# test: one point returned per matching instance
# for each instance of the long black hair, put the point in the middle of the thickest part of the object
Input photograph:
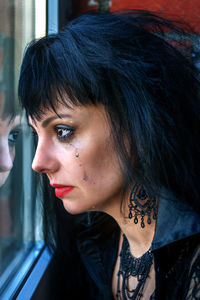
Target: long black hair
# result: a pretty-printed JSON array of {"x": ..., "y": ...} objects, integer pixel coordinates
[{"x": 148, "y": 85}]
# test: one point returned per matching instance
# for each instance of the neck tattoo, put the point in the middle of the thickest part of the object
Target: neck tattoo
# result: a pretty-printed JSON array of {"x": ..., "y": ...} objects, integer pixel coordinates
[{"x": 132, "y": 266}]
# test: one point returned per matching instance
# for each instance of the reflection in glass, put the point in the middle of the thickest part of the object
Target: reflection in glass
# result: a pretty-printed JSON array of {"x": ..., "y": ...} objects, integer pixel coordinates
[
  {"x": 10, "y": 130},
  {"x": 9, "y": 133},
  {"x": 18, "y": 222}
]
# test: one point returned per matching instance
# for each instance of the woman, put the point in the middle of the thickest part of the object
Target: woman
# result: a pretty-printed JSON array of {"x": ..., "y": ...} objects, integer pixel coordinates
[
  {"x": 10, "y": 154},
  {"x": 115, "y": 108}
]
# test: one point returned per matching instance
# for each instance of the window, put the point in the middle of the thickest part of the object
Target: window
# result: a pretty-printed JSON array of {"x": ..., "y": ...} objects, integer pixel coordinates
[{"x": 20, "y": 225}]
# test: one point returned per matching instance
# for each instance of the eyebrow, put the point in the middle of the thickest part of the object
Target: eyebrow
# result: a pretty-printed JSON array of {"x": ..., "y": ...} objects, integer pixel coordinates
[{"x": 46, "y": 122}]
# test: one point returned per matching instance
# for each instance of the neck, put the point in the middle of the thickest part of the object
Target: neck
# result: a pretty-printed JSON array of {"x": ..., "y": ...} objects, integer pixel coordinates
[{"x": 139, "y": 238}]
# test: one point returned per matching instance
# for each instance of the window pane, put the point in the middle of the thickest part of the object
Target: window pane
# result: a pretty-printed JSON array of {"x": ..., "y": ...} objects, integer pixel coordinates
[{"x": 19, "y": 223}]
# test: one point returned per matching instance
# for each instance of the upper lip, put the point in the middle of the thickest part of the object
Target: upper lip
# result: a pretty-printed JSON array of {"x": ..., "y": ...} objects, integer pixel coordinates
[{"x": 55, "y": 185}]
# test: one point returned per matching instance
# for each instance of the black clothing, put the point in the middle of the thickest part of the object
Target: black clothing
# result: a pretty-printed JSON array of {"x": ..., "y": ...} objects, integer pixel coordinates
[
  {"x": 86, "y": 271},
  {"x": 176, "y": 249}
]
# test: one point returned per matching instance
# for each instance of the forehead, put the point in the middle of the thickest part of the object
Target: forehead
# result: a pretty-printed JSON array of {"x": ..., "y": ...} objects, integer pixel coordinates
[
  {"x": 8, "y": 123},
  {"x": 77, "y": 113}
]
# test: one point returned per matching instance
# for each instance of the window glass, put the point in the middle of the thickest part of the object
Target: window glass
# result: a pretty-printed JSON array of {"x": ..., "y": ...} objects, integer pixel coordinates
[{"x": 19, "y": 218}]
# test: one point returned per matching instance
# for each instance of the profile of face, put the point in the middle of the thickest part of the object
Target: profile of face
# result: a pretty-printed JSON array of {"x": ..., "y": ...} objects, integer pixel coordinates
[
  {"x": 9, "y": 130},
  {"x": 76, "y": 151}
]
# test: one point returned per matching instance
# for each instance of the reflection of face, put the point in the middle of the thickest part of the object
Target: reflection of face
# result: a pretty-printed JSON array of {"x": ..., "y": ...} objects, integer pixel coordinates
[
  {"x": 76, "y": 150},
  {"x": 8, "y": 136}
]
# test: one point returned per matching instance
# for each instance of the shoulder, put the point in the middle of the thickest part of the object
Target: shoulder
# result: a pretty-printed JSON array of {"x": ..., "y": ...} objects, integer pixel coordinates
[{"x": 178, "y": 265}]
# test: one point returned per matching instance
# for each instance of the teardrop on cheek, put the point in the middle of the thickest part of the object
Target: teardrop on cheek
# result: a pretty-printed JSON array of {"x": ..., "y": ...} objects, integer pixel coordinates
[{"x": 77, "y": 154}]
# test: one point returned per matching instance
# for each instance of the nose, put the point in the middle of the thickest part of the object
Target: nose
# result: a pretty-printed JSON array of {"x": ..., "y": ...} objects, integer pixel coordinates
[
  {"x": 44, "y": 160},
  {"x": 6, "y": 162}
]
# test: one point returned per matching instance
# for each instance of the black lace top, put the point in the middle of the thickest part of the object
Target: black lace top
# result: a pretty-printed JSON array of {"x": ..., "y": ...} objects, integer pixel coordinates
[
  {"x": 176, "y": 250},
  {"x": 84, "y": 269}
]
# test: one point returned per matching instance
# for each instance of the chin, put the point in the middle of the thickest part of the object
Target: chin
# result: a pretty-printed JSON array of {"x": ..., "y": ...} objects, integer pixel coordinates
[{"x": 73, "y": 208}]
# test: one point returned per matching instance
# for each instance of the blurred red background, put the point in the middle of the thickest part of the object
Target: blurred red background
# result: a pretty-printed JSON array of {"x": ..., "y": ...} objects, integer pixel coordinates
[{"x": 187, "y": 10}]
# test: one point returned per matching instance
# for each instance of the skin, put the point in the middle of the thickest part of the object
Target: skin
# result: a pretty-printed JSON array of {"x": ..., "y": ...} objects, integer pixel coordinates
[
  {"x": 8, "y": 134},
  {"x": 86, "y": 159}
]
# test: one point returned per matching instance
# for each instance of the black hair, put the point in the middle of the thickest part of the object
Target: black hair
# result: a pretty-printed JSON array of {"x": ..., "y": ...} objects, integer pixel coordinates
[
  {"x": 148, "y": 85},
  {"x": 8, "y": 107}
]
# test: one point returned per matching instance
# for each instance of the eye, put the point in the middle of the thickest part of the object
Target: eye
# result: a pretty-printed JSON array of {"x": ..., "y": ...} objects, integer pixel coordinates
[
  {"x": 13, "y": 135},
  {"x": 64, "y": 132},
  {"x": 35, "y": 137}
]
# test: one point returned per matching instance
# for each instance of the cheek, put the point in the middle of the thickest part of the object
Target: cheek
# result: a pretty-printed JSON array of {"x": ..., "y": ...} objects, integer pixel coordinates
[
  {"x": 12, "y": 153},
  {"x": 91, "y": 164},
  {"x": 72, "y": 163},
  {"x": 3, "y": 177},
  {"x": 103, "y": 181},
  {"x": 100, "y": 164}
]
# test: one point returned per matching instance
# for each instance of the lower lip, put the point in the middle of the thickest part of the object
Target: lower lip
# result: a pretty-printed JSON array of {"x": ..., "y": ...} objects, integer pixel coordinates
[{"x": 63, "y": 191}]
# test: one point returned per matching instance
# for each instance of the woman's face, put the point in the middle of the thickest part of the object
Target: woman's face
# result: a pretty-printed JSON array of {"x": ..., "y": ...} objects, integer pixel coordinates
[
  {"x": 8, "y": 134},
  {"x": 76, "y": 151}
]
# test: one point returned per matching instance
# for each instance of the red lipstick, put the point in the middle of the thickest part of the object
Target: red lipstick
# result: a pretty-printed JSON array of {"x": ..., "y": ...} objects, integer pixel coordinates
[{"x": 62, "y": 190}]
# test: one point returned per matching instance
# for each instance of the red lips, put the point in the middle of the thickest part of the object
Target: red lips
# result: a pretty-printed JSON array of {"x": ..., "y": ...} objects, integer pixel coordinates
[{"x": 62, "y": 190}]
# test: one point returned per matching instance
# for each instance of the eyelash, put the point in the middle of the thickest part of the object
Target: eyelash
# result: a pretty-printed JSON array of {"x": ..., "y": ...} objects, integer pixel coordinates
[
  {"x": 35, "y": 137},
  {"x": 59, "y": 131},
  {"x": 12, "y": 138}
]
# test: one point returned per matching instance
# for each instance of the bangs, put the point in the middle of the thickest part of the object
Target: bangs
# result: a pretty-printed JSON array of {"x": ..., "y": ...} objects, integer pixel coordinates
[
  {"x": 50, "y": 75},
  {"x": 9, "y": 109}
]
